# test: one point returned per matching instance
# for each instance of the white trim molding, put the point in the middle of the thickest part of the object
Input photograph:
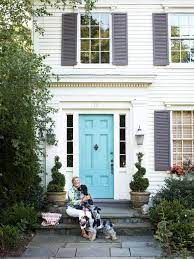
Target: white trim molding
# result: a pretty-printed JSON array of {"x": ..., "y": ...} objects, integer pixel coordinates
[
  {"x": 107, "y": 78},
  {"x": 176, "y": 8}
]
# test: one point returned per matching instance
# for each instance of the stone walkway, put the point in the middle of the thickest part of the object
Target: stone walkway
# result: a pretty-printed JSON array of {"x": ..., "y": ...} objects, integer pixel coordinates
[{"x": 59, "y": 246}]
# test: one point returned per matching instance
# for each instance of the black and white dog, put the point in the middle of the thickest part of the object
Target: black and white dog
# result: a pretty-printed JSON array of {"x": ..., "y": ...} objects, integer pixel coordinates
[{"x": 105, "y": 226}]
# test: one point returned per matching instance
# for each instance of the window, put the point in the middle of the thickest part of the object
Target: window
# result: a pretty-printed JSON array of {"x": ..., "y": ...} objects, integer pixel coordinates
[
  {"x": 183, "y": 136},
  {"x": 69, "y": 140},
  {"x": 182, "y": 38},
  {"x": 95, "y": 38},
  {"x": 122, "y": 141}
]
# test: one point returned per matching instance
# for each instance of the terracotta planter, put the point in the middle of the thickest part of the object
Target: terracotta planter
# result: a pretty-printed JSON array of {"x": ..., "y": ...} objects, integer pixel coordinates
[
  {"x": 56, "y": 197},
  {"x": 139, "y": 198}
]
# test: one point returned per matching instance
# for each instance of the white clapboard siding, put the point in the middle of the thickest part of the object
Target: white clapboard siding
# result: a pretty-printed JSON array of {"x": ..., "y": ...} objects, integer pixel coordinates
[{"x": 172, "y": 82}]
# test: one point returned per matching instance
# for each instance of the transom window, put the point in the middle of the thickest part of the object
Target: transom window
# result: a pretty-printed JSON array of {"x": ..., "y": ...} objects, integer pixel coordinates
[
  {"x": 95, "y": 38},
  {"x": 183, "y": 136},
  {"x": 182, "y": 38}
]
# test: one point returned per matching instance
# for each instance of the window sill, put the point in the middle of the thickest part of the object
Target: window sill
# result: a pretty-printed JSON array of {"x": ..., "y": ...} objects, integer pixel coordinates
[
  {"x": 180, "y": 66},
  {"x": 95, "y": 66}
]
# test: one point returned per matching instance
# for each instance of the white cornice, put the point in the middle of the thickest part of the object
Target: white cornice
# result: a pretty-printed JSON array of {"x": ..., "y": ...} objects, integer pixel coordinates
[
  {"x": 102, "y": 80},
  {"x": 179, "y": 105}
]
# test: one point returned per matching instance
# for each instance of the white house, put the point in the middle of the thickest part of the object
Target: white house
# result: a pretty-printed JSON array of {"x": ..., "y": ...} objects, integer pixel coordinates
[{"x": 128, "y": 65}]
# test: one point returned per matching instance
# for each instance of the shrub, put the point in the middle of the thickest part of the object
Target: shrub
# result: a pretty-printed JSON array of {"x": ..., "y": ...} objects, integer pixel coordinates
[
  {"x": 139, "y": 184},
  {"x": 173, "y": 225},
  {"x": 169, "y": 210},
  {"x": 22, "y": 217},
  {"x": 58, "y": 179},
  {"x": 179, "y": 189},
  {"x": 8, "y": 237}
]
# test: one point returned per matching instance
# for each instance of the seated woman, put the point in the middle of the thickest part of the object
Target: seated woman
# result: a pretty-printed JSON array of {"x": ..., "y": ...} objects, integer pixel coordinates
[{"x": 74, "y": 208}]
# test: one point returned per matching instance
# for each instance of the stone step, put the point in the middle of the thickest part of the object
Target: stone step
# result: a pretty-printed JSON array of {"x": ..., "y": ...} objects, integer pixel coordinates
[
  {"x": 116, "y": 215},
  {"x": 113, "y": 203},
  {"x": 144, "y": 228}
]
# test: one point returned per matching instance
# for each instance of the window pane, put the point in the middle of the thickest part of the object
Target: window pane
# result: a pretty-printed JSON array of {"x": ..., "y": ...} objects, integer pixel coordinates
[
  {"x": 69, "y": 160},
  {"x": 174, "y": 20},
  {"x": 69, "y": 147},
  {"x": 187, "y": 146},
  {"x": 177, "y": 131},
  {"x": 85, "y": 19},
  {"x": 184, "y": 20},
  {"x": 94, "y": 57},
  {"x": 69, "y": 120},
  {"x": 122, "y": 147},
  {"x": 95, "y": 45},
  {"x": 191, "y": 31},
  {"x": 177, "y": 159},
  {"x": 175, "y": 45},
  {"x": 175, "y": 31},
  {"x": 104, "y": 32},
  {"x": 191, "y": 20},
  {"x": 95, "y": 19},
  {"x": 187, "y": 156},
  {"x": 187, "y": 131},
  {"x": 123, "y": 161},
  {"x": 177, "y": 117},
  {"x": 85, "y": 32},
  {"x": 175, "y": 56},
  {"x": 70, "y": 134},
  {"x": 94, "y": 32},
  {"x": 122, "y": 134},
  {"x": 177, "y": 146},
  {"x": 185, "y": 57},
  {"x": 192, "y": 55},
  {"x": 104, "y": 57},
  {"x": 104, "y": 45},
  {"x": 104, "y": 19},
  {"x": 184, "y": 31},
  {"x": 122, "y": 120},
  {"x": 85, "y": 45},
  {"x": 185, "y": 44},
  {"x": 187, "y": 118},
  {"x": 85, "y": 57}
]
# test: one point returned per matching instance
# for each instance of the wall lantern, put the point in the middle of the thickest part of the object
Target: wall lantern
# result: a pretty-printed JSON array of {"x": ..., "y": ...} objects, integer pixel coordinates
[{"x": 139, "y": 136}]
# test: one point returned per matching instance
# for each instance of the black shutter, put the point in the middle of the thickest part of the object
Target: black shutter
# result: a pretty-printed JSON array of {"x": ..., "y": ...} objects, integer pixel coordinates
[
  {"x": 69, "y": 39},
  {"x": 160, "y": 39},
  {"x": 162, "y": 140},
  {"x": 119, "y": 39}
]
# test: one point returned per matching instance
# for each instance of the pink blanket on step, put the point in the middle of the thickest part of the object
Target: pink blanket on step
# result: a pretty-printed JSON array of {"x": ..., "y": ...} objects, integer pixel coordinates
[{"x": 50, "y": 219}]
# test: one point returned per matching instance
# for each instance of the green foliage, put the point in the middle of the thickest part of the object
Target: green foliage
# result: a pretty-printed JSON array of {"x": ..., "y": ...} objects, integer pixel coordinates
[
  {"x": 179, "y": 189},
  {"x": 139, "y": 184},
  {"x": 23, "y": 113},
  {"x": 58, "y": 179},
  {"x": 171, "y": 210},
  {"x": 174, "y": 227},
  {"x": 22, "y": 217},
  {"x": 8, "y": 237}
]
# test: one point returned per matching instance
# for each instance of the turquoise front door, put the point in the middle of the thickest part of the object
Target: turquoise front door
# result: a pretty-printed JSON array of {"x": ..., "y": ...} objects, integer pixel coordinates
[{"x": 96, "y": 154}]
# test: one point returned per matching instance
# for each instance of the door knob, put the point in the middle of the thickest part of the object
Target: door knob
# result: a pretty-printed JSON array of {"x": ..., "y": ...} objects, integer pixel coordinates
[{"x": 112, "y": 166}]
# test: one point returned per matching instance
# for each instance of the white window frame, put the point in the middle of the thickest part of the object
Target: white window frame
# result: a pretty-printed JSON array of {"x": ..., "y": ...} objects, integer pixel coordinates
[
  {"x": 180, "y": 64},
  {"x": 182, "y": 138},
  {"x": 93, "y": 65}
]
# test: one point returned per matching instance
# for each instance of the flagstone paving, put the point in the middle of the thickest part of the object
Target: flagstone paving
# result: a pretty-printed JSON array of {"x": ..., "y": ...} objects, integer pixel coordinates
[{"x": 60, "y": 246}]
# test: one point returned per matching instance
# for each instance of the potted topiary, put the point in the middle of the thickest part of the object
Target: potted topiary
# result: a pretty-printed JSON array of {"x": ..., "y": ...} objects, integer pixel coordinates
[
  {"x": 139, "y": 184},
  {"x": 55, "y": 188}
]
